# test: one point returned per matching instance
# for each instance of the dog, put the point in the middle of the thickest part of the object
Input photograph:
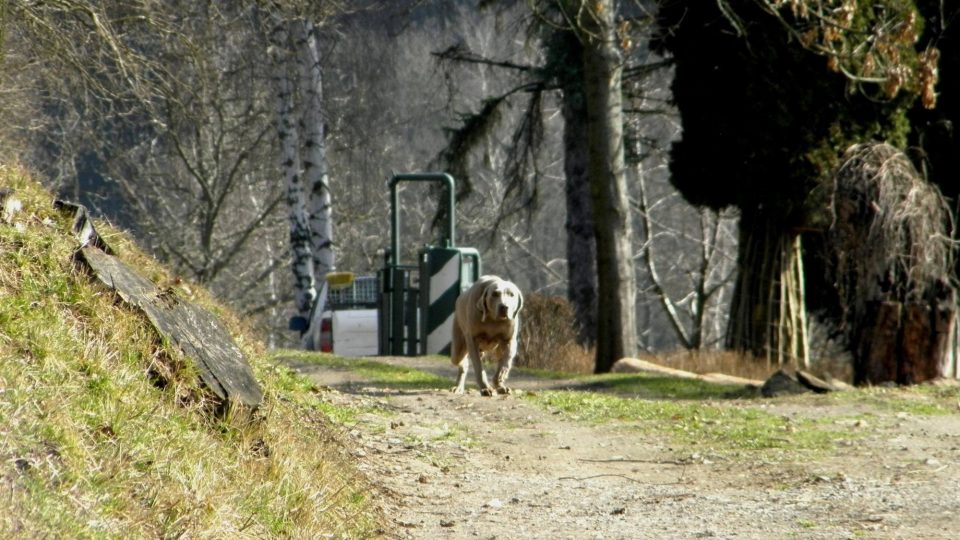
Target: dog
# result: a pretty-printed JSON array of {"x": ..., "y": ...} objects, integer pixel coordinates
[{"x": 486, "y": 321}]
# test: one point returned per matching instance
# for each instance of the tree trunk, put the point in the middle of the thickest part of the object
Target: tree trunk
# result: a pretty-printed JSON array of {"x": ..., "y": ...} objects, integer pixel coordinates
[
  {"x": 305, "y": 290},
  {"x": 581, "y": 244},
  {"x": 616, "y": 279},
  {"x": 768, "y": 315},
  {"x": 316, "y": 180},
  {"x": 903, "y": 343},
  {"x": 925, "y": 342}
]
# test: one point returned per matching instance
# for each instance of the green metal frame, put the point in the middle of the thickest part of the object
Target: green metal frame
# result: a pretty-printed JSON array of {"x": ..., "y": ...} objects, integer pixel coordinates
[
  {"x": 399, "y": 300},
  {"x": 395, "y": 207}
]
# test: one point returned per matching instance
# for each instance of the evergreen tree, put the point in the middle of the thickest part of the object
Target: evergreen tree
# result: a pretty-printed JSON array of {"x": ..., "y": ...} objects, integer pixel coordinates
[{"x": 771, "y": 94}]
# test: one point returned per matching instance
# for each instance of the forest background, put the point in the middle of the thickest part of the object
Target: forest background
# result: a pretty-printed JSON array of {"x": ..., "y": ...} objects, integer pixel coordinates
[{"x": 175, "y": 120}]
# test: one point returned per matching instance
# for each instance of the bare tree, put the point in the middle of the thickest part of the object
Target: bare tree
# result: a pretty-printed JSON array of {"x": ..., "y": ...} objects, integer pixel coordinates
[
  {"x": 706, "y": 276},
  {"x": 167, "y": 108},
  {"x": 305, "y": 292}
]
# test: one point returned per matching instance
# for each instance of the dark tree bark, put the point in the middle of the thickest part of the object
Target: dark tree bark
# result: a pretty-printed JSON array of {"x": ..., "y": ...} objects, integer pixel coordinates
[
  {"x": 757, "y": 266},
  {"x": 581, "y": 244},
  {"x": 616, "y": 280},
  {"x": 768, "y": 314},
  {"x": 903, "y": 343}
]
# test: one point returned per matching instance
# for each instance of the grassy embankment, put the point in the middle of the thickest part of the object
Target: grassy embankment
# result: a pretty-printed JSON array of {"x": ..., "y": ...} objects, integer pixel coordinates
[{"x": 92, "y": 445}]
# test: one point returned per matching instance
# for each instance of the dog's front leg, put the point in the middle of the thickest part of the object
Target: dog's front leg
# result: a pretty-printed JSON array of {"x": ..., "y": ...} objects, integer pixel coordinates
[
  {"x": 507, "y": 355},
  {"x": 475, "y": 360}
]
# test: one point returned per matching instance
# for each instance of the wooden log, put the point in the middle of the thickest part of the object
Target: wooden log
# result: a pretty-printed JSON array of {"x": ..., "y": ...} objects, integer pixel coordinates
[{"x": 636, "y": 365}]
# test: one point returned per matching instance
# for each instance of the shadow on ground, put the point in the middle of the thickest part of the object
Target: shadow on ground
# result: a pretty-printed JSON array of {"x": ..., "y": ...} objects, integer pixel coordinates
[{"x": 386, "y": 375}]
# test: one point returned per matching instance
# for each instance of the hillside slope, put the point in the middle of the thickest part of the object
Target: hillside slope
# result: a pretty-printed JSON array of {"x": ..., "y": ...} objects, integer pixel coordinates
[{"x": 104, "y": 431}]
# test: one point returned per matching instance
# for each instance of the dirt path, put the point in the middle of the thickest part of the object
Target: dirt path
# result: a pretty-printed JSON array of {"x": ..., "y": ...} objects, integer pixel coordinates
[{"x": 466, "y": 467}]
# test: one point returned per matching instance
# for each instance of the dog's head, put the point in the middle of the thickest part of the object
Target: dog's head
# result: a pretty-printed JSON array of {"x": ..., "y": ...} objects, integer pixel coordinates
[{"x": 501, "y": 300}]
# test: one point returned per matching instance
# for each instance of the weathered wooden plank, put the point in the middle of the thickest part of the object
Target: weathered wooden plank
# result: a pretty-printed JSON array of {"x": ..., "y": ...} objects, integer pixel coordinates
[
  {"x": 198, "y": 333},
  {"x": 82, "y": 226}
]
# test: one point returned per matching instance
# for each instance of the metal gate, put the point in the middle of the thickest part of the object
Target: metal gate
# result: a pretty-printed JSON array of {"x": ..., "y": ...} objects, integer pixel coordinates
[{"x": 417, "y": 301}]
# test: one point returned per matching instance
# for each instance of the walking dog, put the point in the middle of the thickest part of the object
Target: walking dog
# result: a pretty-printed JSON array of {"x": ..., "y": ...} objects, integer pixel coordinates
[{"x": 486, "y": 322}]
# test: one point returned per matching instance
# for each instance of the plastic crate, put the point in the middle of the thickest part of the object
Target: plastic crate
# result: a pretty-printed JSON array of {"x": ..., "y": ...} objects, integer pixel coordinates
[{"x": 363, "y": 293}]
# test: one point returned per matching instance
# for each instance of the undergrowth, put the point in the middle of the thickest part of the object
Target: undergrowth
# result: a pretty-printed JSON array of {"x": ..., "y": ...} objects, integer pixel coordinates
[{"x": 91, "y": 446}]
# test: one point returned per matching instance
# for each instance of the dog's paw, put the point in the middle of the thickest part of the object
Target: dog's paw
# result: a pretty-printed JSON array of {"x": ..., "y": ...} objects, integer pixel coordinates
[
  {"x": 486, "y": 392},
  {"x": 457, "y": 390},
  {"x": 503, "y": 390}
]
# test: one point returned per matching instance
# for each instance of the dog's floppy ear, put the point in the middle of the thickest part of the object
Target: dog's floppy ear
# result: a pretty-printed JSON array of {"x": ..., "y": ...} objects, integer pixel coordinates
[
  {"x": 482, "y": 304},
  {"x": 519, "y": 302}
]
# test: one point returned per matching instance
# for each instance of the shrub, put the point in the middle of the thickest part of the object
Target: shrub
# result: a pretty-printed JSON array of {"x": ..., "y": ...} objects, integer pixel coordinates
[{"x": 548, "y": 336}]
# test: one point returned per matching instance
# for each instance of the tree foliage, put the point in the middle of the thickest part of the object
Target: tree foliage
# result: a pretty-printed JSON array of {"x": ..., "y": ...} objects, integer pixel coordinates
[
  {"x": 771, "y": 93},
  {"x": 764, "y": 119},
  {"x": 935, "y": 140}
]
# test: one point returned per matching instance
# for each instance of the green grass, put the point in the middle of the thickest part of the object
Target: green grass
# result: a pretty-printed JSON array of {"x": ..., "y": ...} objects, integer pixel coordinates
[
  {"x": 90, "y": 447},
  {"x": 378, "y": 373},
  {"x": 306, "y": 394},
  {"x": 688, "y": 412},
  {"x": 650, "y": 386},
  {"x": 722, "y": 428},
  {"x": 919, "y": 400}
]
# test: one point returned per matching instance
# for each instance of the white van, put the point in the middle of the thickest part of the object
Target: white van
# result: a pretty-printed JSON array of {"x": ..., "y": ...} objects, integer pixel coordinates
[{"x": 347, "y": 324}]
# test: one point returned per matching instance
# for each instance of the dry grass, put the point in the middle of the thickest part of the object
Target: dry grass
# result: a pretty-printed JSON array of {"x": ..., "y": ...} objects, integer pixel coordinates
[
  {"x": 741, "y": 365},
  {"x": 91, "y": 448},
  {"x": 730, "y": 363},
  {"x": 548, "y": 339},
  {"x": 891, "y": 235}
]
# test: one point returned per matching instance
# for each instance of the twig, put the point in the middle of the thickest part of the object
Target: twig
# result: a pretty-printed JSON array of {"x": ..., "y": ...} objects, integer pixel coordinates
[
  {"x": 654, "y": 461},
  {"x": 598, "y": 476}
]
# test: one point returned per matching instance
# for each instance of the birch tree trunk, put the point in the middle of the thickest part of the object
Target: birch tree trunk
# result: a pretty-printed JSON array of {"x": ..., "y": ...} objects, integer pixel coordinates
[
  {"x": 316, "y": 180},
  {"x": 305, "y": 286},
  {"x": 616, "y": 279}
]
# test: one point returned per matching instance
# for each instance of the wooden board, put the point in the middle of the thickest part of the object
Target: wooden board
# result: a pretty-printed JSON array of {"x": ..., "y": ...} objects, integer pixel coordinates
[{"x": 197, "y": 332}]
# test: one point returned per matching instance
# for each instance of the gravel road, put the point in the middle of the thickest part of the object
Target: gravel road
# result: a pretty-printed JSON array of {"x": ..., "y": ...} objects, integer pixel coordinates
[{"x": 467, "y": 467}]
